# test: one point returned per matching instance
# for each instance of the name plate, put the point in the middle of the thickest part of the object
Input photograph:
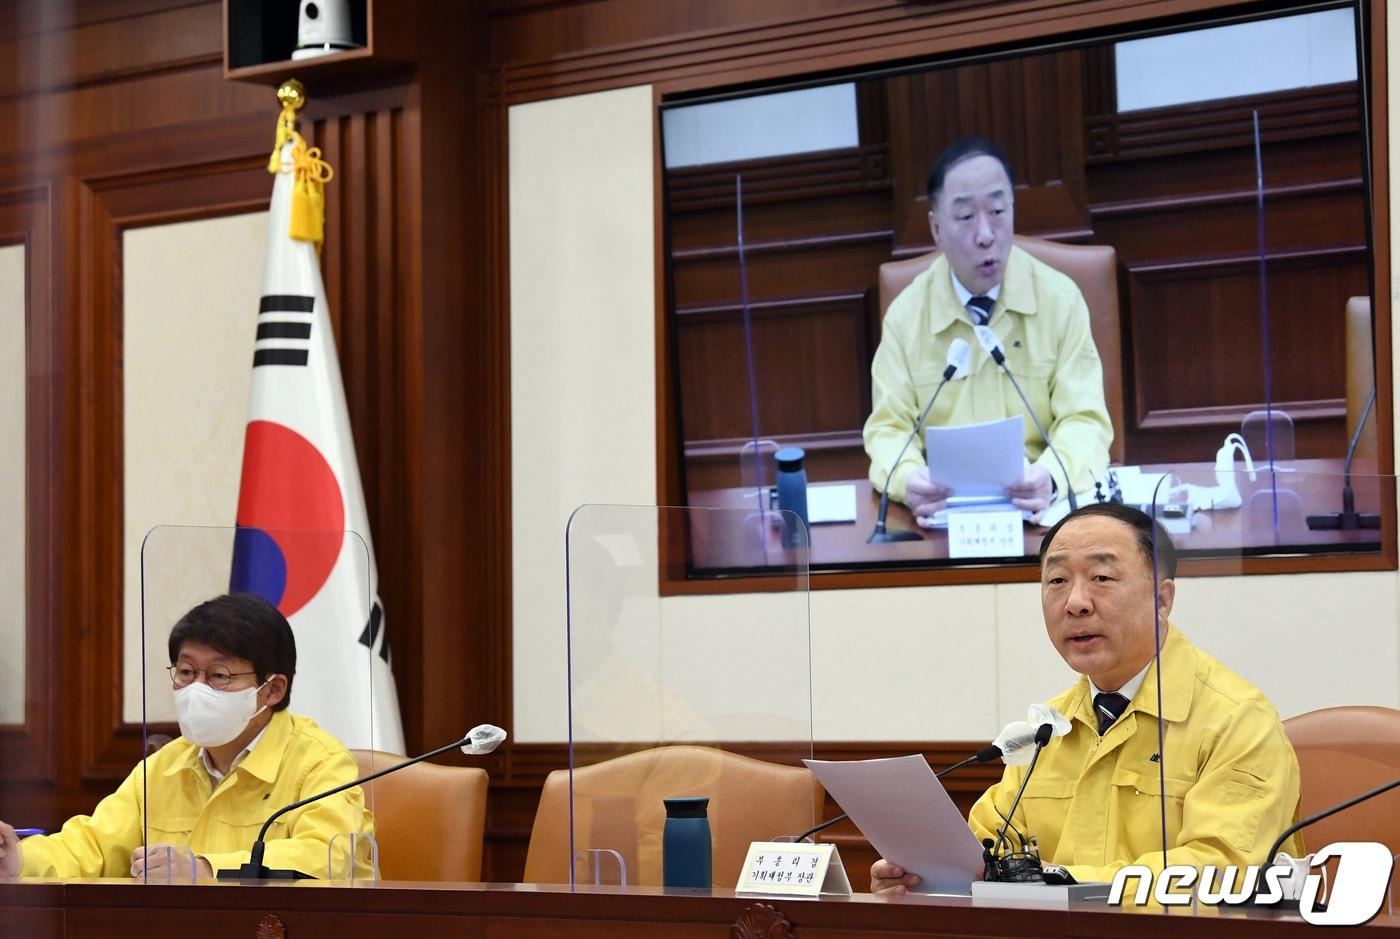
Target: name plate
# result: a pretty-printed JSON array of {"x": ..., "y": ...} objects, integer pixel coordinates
[
  {"x": 793, "y": 869},
  {"x": 985, "y": 534}
]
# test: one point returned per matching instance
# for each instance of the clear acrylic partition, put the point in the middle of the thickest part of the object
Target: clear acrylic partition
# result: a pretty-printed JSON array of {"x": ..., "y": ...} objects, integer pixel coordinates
[
  {"x": 653, "y": 665},
  {"x": 758, "y": 467},
  {"x": 1306, "y": 640},
  {"x": 1270, "y": 431},
  {"x": 321, "y": 581}
]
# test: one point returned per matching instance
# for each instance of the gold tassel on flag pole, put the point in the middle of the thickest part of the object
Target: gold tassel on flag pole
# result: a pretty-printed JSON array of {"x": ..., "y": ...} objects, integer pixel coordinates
[{"x": 308, "y": 221}]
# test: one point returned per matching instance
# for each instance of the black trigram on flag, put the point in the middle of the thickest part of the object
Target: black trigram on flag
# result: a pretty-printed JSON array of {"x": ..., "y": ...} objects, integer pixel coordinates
[
  {"x": 371, "y": 631},
  {"x": 291, "y": 337}
]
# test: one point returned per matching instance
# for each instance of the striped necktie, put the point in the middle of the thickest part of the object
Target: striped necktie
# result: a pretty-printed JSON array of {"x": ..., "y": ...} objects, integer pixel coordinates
[
  {"x": 981, "y": 309},
  {"x": 1109, "y": 706}
]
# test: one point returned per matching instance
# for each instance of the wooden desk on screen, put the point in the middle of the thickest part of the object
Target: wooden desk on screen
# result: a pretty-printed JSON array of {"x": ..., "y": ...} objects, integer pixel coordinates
[
  {"x": 120, "y": 909},
  {"x": 1313, "y": 487}
]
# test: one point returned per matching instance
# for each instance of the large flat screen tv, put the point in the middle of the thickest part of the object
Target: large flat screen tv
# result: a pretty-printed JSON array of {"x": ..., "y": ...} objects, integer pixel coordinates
[{"x": 1225, "y": 160}]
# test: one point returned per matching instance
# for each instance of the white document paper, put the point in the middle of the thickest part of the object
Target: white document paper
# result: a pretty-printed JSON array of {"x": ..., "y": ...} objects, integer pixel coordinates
[
  {"x": 826, "y": 504},
  {"x": 976, "y": 461},
  {"x": 909, "y": 818}
]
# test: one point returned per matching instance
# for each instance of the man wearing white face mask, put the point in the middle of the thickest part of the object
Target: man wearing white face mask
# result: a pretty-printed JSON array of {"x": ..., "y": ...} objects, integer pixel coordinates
[{"x": 241, "y": 756}]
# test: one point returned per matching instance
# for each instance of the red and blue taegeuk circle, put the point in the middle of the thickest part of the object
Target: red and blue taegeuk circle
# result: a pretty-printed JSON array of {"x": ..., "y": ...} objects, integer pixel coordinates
[{"x": 291, "y": 518}]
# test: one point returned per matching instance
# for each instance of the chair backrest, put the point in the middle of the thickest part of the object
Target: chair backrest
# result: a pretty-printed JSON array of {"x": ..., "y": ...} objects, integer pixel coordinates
[
  {"x": 429, "y": 820},
  {"x": 617, "y": 804},
  {"x": 1342, "y": 752},
  {"x": 1361, "y": 374},
  {"x": 1094, "y": 268}
]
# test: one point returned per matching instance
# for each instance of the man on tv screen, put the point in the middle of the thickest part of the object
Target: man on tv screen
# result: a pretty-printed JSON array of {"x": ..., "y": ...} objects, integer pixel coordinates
[
  {"x": 1095, "y": 802},
  {"x": 1037, "y": 313}
]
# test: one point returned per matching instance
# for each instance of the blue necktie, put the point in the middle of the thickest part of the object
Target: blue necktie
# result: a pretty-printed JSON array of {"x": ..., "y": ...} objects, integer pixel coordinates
[
  {"x": 981, "y": 309},
  {"x": 1109, "y": 706}
]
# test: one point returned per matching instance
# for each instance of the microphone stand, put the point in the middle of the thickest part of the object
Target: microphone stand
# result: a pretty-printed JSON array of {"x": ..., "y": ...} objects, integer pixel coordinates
[
  {"x": 879, "y": 535},
  {"x": 1348, "y": 519},
  {"x": 1022, "y": 867},
  {"x": 1000, "y": 358},
  {"x": 1326, "y": 813},
  {"x": 1292, "y": 905},
  {"x": 254, "y": 869}
]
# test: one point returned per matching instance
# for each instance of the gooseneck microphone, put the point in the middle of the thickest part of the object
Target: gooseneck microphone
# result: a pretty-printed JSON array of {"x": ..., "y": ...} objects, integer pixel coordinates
[
  {"x": 1011, "y": 743},
  {"x": 1348, "y": 519},
  {"x": 1022, "y": 866},
  {"x": 479, "y": 740},
  {"x": 959, "y": 352},
  {"x": 987, "y": 337}
]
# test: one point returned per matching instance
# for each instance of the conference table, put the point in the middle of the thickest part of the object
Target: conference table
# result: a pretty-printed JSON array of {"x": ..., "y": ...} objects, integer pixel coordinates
[
  {"x": 114, "y": 909},
  {"x": 1272, "y": 519}
]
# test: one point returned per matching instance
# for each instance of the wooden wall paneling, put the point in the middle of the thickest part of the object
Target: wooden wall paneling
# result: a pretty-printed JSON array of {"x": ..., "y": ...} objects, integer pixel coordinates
[
  {"x": 109, "y": 206},
  {"x": 486, "y": 584},
  {"x": 1022, "y": 104},
  {"x": 811, "y": 363},
  {"x": 82, "y": 46},
  {"x": 816, "y": 229},
  {"x": 1202, "y": 179},
  {"x": 363, "y": 263},
  {"x": 704, "y": 46},
  {"x": 29, "y": 751}
]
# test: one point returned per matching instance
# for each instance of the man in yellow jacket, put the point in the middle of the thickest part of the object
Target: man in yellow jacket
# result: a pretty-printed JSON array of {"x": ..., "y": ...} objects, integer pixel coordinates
[
  {"x": 1094, "y": 801},
  {"x": 1037, "y": 312},
  {"x": 202, "y": 798}
]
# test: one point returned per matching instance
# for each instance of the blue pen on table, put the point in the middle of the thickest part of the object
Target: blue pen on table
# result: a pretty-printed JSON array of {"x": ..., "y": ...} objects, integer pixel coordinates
[{"x": 26, "y": 832}]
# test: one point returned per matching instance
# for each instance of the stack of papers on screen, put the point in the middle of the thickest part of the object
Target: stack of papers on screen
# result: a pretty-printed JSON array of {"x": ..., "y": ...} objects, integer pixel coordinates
[
  {"x": 908, "y": 816},
  {"x": 977, "y": 461}
]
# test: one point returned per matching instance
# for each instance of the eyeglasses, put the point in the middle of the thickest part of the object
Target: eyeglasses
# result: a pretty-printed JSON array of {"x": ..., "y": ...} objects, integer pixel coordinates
[{"x": 218, "y": 677}]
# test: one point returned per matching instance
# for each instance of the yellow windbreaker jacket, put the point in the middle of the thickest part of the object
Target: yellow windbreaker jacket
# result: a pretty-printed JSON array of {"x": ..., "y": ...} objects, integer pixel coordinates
[
  {"x": 1232, "y": 780},
  {"x": 294, "y": 759},
  {"x": 1043, "y": 325}
]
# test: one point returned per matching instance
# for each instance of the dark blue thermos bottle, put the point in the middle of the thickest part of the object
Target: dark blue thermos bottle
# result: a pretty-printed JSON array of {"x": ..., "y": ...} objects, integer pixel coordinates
[
  {"x": 685, "y": 843},
  {"x": 792, "y": 494}
]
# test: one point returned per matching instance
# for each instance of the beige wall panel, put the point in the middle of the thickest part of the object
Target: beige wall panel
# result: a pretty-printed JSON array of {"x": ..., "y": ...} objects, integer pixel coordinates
[
  {"x": 190, "y": 307},
  {"x": 12, "y": 483},
  {"x": 582, "y": 355}
]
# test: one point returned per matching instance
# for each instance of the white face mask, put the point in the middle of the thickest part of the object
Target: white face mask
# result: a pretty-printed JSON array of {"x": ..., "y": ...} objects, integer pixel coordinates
[{"x": 210, "y": 717}]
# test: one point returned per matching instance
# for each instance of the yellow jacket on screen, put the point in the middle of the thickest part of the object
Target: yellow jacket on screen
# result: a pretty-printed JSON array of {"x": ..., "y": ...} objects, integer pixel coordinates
[
  {"x": 1043, "y": 325},
  {"x": 293, "y": 759},
  {"x": 1232, "y": 780}
]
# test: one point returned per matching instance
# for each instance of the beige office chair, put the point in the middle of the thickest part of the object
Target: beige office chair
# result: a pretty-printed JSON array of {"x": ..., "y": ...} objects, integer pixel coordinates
[
  {"x": 429, "y": 820},
  {"x": 1361, "y": 375},
  {"x": 617, "y": 805},
  {"x": 1095, "y": 269},
  {"x": 1342, "y": 752}
]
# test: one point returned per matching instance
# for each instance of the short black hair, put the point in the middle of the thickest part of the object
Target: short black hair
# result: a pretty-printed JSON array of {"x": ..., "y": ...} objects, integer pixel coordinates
[
  {"x": 246, "y": 626},
  {"x": 955, "y": 153},
  {"x": 1143, "y": 526}
]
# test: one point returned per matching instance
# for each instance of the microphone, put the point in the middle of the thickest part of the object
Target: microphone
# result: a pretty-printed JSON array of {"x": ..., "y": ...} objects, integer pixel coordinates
[
  {"x": 1326, "y": 813},
  {"x": 1017, "y": 867},
  {"x": 992, "y": 345},
  {"x": 959, "y": 352},
  {"x": 480, "y": 740},
  {"x": 1348, "y": 519},
  {"x": 1006, "y": 741},
  {"x": 1271, "y": 858}
]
